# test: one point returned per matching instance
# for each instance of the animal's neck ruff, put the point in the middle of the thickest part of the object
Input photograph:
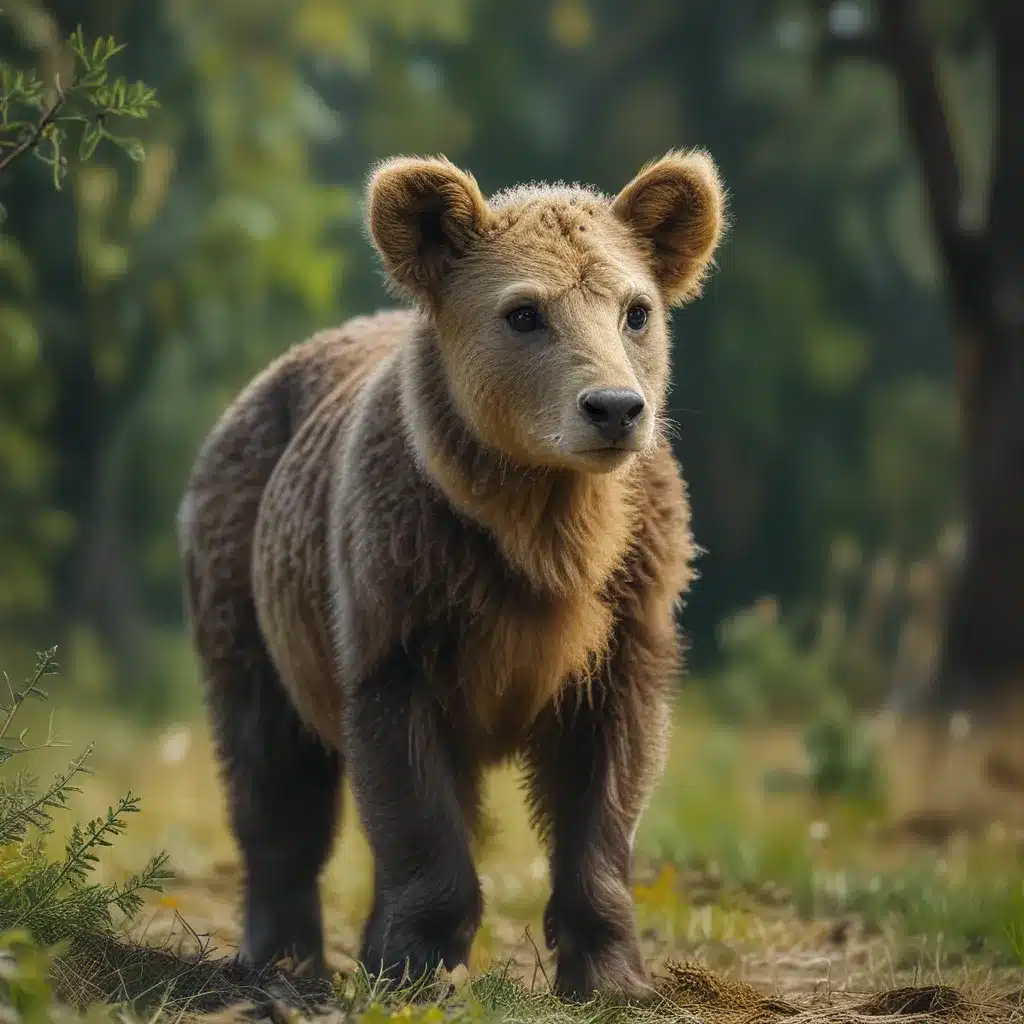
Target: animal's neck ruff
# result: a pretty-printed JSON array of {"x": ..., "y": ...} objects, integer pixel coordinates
[{"x": 565, "y": 531}]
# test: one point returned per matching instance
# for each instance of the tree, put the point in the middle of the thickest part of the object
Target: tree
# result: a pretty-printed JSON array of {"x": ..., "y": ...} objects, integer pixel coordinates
[
  {"x": 150, "y": 292},
  {"x": 983, "y": 270}
]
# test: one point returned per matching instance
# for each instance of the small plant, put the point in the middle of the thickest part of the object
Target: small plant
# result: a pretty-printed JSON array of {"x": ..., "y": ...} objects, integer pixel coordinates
[
  {"x": 54, "y": 900},
  {"x": 875, "y": 631},
  {"x": 841, "y": 760},
  {"x": 767, "y": 672},
  {"x": 40, "y": 117},
  {"x": 842, "y": 763}
]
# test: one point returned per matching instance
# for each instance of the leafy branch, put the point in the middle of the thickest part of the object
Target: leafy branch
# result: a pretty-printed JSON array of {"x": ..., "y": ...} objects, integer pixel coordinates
[
  {"x": 37, "y": 117},
  {"x": 45, "y": 665}
]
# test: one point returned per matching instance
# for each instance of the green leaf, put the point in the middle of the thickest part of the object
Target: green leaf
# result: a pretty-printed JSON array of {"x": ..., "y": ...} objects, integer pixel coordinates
[
  {"x": 91, "y": 137},
  {"x": 135, "y": 150}
]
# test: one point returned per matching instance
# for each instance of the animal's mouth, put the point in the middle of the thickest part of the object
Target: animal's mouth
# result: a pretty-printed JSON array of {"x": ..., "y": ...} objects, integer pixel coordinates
[
  {"x": 604, "y": 458},
  {"x": 615, "y": 448}
]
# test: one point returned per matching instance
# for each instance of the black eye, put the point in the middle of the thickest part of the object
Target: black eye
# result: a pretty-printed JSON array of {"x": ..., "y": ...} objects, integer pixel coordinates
[
  {"x": 636, "y": 318},
  {"x": 524, "y": 319}
]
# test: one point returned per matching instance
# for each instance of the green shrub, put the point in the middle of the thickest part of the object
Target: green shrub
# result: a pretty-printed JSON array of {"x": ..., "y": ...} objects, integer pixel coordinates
[
  {"x": 873, "y": 634},
  {"x": 55, "y": 899}
]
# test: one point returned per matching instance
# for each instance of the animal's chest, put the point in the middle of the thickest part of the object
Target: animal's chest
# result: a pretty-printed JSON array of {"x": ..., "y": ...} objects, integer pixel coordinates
[{"x": 517, "y": 654}]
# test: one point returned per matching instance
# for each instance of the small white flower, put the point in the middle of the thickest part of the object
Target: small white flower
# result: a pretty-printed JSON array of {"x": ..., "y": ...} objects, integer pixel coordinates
[
  {"x": 175, "y": 744},
  {"x": 818, "y": 831}
]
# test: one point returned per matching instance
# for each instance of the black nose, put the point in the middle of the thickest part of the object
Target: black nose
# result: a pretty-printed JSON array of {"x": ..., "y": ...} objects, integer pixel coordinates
[{"x": 614, "y": 411}]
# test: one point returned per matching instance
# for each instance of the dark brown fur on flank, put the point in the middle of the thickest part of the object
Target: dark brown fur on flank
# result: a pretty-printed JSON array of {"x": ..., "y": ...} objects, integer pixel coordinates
[{"x": 414, "y": 547}]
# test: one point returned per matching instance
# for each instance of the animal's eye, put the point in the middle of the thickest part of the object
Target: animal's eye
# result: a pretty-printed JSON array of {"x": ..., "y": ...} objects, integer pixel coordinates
[
  {"x": 524, "y": 319},
  {"x": 636, "y": 318}
]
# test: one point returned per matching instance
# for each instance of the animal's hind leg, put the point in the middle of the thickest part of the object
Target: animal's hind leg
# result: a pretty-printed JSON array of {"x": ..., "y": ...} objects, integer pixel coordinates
[
  {"x": 283, "y": 792},
  {"x": 282, "y": 782}
]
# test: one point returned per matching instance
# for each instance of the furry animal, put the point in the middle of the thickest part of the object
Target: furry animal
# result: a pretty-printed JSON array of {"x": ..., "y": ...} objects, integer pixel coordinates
[{"x": 437, "y": 538}]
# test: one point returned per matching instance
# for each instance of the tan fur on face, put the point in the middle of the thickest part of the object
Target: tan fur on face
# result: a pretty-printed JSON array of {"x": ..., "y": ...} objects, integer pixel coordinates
[{"x": 579, "y": 257}]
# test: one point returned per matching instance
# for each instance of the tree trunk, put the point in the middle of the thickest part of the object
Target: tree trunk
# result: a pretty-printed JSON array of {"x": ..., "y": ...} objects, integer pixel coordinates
[{"x": 983, "y": 650}]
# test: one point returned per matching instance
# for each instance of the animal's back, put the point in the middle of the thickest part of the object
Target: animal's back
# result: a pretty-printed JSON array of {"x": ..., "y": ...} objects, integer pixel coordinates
[{"x": 252, "y": 520}]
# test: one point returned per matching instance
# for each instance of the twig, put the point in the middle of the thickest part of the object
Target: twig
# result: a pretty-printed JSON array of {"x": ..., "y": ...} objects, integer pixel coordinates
[
  {"x": 48, "y": 117},
  {"x": 539, "y": 961}
]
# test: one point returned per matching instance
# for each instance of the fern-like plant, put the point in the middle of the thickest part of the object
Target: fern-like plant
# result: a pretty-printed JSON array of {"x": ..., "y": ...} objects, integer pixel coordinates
[{"x": 54, "y": 900}]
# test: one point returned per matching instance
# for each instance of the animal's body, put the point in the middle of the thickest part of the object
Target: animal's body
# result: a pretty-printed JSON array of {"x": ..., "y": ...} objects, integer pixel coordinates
[{"x": 434, "y": 539}]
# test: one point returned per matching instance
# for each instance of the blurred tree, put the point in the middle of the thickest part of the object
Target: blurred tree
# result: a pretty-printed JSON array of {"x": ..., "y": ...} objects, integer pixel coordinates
[
  {"x": 148, "y": 293},
  {"x": 978, "y": 228},
  {"x": 145, "y": 290},
  {"x": 811, "y": 395}
]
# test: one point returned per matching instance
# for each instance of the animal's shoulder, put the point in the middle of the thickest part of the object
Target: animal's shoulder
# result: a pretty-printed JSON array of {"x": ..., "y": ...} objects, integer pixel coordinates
[{"x": 334, "y": 362}]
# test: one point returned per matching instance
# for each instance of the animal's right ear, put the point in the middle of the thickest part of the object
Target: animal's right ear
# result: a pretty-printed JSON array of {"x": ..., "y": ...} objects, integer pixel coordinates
[{"x": 423, "y": 214}]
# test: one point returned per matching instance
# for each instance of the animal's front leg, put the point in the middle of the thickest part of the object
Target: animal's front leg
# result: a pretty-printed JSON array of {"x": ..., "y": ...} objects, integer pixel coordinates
[
  {"x": 593, "y": 765},
  {"x": 415, "y": 789}
]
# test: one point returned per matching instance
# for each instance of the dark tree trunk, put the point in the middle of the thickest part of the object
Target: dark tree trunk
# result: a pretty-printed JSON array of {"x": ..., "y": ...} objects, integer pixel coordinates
[{"x": 983, "y": 650}]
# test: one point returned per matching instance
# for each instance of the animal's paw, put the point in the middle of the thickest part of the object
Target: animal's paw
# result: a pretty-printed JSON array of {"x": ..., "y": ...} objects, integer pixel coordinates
[
  {"x": 597, "y": 952},
  {"x": 612, "y": 979},
  {"x": 403, "y": 947},
  {"x": 613, "y": 970}
]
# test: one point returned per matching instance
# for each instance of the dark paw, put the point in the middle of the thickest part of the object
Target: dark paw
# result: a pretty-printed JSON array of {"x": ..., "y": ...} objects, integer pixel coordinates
[
  {"x": 300, "y": 960},
  {"x": 401, "y": 963},
  {"x": 596, "y": 955},
  {"x": 284, "y": 933},
  {"x": 412, "y": 959},
  {"x": 596, "y": 943},
  {"x": 616, "y": 977},
  {"x": 406, "y": 941}
]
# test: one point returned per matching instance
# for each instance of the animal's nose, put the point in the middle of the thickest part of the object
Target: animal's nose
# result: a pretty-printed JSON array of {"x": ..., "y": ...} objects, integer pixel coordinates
[{"x": 614, "y": 411}]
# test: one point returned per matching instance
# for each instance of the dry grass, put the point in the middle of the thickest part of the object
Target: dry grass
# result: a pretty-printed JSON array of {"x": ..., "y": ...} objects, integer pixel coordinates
[{"x": 744, "y": 889}]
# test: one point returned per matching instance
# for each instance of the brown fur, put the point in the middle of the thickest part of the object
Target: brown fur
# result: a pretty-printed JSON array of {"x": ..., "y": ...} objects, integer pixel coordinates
[{"x": 408, "y": 527}]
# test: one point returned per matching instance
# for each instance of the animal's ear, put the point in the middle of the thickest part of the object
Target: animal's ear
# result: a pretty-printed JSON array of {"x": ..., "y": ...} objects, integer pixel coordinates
[
  {"x": 676, "y": 206},
  {"x": 423, "y": 214}
]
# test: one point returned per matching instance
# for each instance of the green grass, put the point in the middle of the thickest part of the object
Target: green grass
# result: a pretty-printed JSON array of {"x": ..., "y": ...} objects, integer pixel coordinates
[{"x": 793, "y": 890}]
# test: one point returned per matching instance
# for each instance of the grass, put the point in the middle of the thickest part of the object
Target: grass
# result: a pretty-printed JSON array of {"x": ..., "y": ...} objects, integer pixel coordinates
[{"x": 818, "y": 903}]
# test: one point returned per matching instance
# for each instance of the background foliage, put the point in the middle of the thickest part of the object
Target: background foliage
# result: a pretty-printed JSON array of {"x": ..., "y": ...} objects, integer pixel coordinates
[{"x": 812, "y": 384}]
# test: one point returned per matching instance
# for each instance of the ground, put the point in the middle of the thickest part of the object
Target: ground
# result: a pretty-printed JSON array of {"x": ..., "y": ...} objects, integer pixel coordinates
[{"x": 815, "y": 903}]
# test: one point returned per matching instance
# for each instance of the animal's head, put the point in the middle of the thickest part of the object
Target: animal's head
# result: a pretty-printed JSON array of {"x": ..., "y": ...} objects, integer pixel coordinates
[{"x": 551, "y": 303}]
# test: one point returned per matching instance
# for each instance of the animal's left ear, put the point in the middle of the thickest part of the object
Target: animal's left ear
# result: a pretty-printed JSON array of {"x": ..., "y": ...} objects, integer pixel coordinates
[{"x": 676, "y": 205}]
